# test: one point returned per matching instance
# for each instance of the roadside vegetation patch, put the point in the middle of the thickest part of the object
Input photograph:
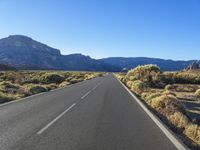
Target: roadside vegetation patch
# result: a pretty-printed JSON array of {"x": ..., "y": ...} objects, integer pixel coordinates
[
  {"x": 172, "y": 95},
  {"x": 19, "y": 84}
]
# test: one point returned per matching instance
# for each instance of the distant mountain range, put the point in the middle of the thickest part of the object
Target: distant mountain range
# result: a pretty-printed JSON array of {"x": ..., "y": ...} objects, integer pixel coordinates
[
  {"x": 4, "y": 67},
  {"x": 23, "y": 52},
  {"x": 132, "y": 62}
]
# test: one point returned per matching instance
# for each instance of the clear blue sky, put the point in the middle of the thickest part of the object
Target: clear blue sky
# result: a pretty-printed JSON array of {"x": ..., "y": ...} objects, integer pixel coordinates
[{"x": 103, "y": 28}]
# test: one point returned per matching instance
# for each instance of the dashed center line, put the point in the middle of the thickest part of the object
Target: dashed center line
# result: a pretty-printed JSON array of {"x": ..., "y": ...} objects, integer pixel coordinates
[
  {"x": 54, "y": 120},
  {"x": 64, "y": 112},
  {"x": 85, "y": 94}
]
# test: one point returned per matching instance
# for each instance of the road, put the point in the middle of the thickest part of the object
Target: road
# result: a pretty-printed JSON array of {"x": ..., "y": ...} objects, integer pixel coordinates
[{"x": 98, "y": 114}]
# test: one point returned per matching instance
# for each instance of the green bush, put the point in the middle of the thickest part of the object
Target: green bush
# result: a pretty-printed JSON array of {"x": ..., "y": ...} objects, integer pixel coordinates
[{"x": 51, "y": 78}]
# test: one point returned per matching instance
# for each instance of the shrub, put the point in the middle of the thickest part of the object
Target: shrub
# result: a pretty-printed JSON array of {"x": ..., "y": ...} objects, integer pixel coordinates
[
  {"x": 34, "y": 89},
  {"x": 138, "y": 87},
  {"x": 193, "y": 132},
  {"x": 182, "y": 88},
  {"x": 179, "y": 120},
  {"x": 164, "y": 78},
  {"x": 167, "y": 92},
  {"x": 34, "y": 80},
  {"x": 184, "y": 77},
  {"x": 163, "y": 101},
  {"x": 157, "y": 102},
  {"x": 51, "y": 78},
  {"x": 132, "y": 78},
  {"x": 5, "y": 98},
  {"x": 152, "y": 96},
  {"x": 146, "y": 73},
  {"x": 120, "y": 77},
  {"x": 8, "y": 87},
  {"x": 51, "y": 86},
  {"x": 63, "y": 84},
  {"x": 72, "y": 81},
  {"x": 129, "y": 83},
  {"x": 197, "y": 93},
  {"x": 24, "y": 91},
  {"x": 197, "y": 80}
]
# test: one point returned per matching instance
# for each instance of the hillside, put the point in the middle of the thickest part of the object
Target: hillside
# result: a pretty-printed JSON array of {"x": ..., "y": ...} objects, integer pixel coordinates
[
  {"x": 132, "y": 62},
  {"x": 26, "y": 53},
  {"x": 23, "y": 52},
  {"x": 4, "y": 67}
]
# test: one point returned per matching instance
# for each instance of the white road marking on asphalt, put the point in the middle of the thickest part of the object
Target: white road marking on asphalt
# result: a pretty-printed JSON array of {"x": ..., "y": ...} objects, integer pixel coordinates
[
  {"x": 85, "y": 94},
  {"x": 178, "y": 144},
  {"x": 54, "y": 120},
  {"x": 96, "y": 86}
]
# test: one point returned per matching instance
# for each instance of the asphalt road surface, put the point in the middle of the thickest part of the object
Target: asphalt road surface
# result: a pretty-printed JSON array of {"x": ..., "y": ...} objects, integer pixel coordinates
[{"x": 98, "y": 114}]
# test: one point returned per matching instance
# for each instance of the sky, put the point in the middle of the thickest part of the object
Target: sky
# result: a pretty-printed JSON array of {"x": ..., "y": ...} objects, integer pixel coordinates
[{"x": 167, "y": 29}]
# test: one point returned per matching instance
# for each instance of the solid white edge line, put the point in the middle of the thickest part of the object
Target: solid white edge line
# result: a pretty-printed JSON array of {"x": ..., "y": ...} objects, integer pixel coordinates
[
  {"x": 157, "y": 121},
  {"x": 54, "y": 120}
]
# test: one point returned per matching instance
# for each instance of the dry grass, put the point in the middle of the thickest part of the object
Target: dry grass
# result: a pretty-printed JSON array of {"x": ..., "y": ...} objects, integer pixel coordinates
[
  {"x": 163, "y": 91},
  {"x": 14, "y": 85},
  {"x": 179, "y": 120},
  {"x": 197, "y": 93},
  {"x": 182, "y": 87},
  {"x": 193, "y": 132},
  {"x": 138, "y": 86}
]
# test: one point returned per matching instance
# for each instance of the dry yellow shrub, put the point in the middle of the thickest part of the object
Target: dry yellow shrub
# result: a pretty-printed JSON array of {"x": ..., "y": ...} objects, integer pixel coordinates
[
  {"x": 179, "y": 120},
  {"x": 193, "y": 132}
]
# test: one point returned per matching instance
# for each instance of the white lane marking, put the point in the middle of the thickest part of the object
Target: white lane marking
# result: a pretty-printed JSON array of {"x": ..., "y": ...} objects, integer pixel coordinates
[
  {"x": 177, "y": 143},
  {"x": 86, "y": 94},
  {"x": 95, "y": 87},
  {"x": 54, "y": 120}
]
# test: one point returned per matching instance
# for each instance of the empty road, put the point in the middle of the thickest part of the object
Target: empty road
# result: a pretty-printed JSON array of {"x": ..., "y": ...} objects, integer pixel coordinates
[{"x": 98, "y": 114}]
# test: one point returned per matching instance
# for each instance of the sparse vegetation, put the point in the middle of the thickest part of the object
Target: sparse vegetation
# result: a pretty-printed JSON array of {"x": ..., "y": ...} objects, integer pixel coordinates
[
  {"x": 19, "y": 84},
  {"x": 51, "y": 78},
  {"x": 168, "y": 94},
  {"x": 197, "y": 93}
]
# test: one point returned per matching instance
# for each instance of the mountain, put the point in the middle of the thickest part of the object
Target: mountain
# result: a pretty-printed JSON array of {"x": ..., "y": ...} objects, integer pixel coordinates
[
  {"x": 4, "y": 67},
  {"x": 22, "y": 52},
  {"x": 132, "y": 62},
  {"x": 25, "y": 53}
]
